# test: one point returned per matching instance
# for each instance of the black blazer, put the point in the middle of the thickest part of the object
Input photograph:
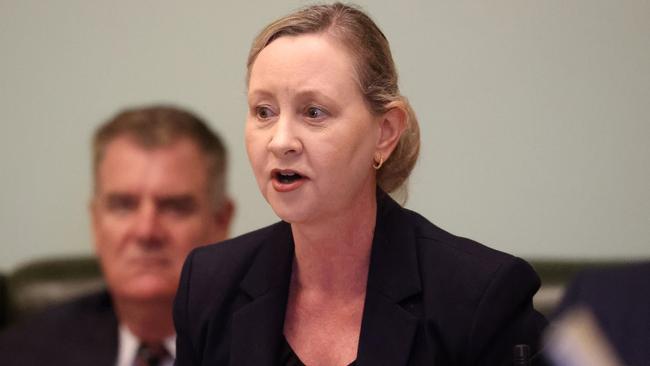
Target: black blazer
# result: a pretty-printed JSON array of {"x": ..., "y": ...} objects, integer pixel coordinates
[
  {"x": 79, "y": 333},
  {"x": 432, "y": 298},
  {"x": 619, "y": 298}
]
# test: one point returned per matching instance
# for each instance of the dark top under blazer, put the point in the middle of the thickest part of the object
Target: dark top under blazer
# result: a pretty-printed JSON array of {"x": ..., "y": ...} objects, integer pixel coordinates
[
  {"x": 619, "y": 298},
  {"x": 79, "y": 333},
  {"x": 432, "y": 298}
]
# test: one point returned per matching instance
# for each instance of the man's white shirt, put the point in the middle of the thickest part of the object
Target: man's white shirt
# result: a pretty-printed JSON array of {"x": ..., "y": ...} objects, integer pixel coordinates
[{"x": 128, "y": 345}]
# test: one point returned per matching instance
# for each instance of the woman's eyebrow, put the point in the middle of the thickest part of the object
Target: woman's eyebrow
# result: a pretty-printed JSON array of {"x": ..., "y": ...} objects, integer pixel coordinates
[{"x": 259, "y": 94}]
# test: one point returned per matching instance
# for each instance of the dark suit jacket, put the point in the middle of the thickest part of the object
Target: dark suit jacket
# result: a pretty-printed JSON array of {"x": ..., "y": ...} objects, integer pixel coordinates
[
  {"x": 432, "y": 298},
  {"x": 82, "y": 332},
  {"x": 619, "y": 298}
]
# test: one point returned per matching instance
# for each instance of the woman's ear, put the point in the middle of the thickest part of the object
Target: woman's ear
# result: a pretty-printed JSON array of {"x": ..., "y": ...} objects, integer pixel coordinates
[{"x": 392, "y": 125}]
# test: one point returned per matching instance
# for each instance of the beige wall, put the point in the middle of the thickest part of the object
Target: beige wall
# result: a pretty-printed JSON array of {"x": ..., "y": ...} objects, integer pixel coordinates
[{"x": 535, "y": 114}]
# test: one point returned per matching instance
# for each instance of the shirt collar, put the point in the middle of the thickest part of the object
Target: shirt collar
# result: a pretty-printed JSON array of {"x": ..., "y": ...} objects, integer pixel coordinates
[{"x": 128, "y": 345}]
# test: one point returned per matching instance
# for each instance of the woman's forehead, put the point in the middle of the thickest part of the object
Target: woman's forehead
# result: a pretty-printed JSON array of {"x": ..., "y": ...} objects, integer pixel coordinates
[{"x": 305, "y": 62}]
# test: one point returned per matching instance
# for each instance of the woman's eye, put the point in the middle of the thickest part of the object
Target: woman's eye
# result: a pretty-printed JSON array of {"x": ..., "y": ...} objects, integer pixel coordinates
[
  {"x": 315, "y": 113},
  {"x": 263, "y": 113}
]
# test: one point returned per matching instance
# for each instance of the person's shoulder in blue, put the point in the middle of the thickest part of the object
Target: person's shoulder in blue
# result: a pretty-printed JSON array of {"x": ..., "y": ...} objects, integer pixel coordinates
[{"x": 619, "y": 299}]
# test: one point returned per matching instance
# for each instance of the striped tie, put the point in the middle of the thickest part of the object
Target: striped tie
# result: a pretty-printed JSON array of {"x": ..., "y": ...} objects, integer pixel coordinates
[{"x": 151, "y": 354}]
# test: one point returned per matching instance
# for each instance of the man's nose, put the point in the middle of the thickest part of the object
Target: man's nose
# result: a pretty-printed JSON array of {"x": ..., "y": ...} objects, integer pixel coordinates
[
  {"x": 284, "y": 137},
  {"x": 147, "y": 227}
]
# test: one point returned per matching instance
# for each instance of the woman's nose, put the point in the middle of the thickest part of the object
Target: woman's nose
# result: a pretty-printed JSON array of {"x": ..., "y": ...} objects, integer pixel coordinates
[{"x": 284, "y": 138}]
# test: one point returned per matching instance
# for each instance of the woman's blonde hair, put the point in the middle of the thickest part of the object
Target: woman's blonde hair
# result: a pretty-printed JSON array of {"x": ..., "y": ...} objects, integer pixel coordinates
[{"x": 374, "y": 66}]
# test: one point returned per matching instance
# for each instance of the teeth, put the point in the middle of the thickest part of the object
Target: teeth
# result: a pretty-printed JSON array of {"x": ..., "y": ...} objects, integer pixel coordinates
[{"x": 287, "y": 176}]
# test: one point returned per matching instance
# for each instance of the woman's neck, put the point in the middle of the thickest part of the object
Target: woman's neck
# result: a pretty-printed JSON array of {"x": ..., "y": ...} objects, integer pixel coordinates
[{"x": 333, "y": 256}]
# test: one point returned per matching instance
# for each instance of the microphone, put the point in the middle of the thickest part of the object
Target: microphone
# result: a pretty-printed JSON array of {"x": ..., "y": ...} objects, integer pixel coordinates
[{"x": 521, "y": 355}]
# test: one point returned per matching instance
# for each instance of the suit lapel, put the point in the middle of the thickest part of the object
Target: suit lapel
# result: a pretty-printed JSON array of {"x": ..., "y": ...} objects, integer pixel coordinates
[
  {"x": 257, "y": 326},
  {"x": 387, "y": 332},
  {"x": 387, "y": 329}
]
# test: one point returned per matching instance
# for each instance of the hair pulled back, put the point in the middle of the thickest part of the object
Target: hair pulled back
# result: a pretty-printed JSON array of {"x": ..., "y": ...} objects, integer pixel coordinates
[{"x": 376, "y": 72}]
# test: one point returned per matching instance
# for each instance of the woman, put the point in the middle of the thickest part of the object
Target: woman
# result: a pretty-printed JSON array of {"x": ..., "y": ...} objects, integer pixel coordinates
[{"x": 348, "y": 276}]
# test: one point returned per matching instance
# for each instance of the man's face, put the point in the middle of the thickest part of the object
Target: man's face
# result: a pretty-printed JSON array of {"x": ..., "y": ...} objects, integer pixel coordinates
[{"x": 151, "y": 207}]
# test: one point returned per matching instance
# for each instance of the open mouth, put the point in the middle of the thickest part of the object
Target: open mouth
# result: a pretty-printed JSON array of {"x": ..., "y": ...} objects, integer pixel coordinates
[
  {"x": 287, "y": 176},
  {"x": 285, "y": 180}
]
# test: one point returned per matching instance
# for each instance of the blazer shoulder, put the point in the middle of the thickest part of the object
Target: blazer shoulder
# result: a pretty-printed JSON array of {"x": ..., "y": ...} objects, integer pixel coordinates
[
  {"x": 229, "y": 255},
  {"x": 210, "y": 290},
  {"x": 470, "y": 269},
  {"x": 433, "y": 240},
  {"x": 218, "y": 269},
  {"x": 478, "y": 297}
]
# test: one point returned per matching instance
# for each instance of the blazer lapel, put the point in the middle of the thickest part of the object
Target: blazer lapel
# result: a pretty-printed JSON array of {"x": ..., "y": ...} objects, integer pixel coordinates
[
  {"x": 387, "y": 329},
  {"x": 257, "y": 326}
]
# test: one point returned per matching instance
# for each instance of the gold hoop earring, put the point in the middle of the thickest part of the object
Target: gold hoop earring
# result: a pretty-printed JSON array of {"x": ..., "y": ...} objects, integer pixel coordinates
[{"x": 377, "y": 164}]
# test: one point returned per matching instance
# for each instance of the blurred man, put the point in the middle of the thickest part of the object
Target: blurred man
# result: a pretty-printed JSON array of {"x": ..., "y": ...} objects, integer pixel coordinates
[{"x": 159, "y": 191}]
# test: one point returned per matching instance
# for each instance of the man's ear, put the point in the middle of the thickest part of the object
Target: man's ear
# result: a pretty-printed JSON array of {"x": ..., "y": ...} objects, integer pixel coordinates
[
  {"x": 223, "y": 219},
  {"x": 93, "y": 210},
  {"x": 392, "y": 125}
]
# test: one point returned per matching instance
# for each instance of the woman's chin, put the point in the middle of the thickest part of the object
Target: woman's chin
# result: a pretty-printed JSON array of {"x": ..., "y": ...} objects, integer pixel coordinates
[
  {"x": 292, "y": 213},
  {"x": 290, "y": 207},
  {"x": 286, "y": 214}
]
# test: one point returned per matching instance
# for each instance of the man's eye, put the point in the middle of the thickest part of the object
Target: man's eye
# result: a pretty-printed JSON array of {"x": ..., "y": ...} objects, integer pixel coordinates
[
  {"x": 122, "y": 204},
  {"x": 263, "y": 112},
  {"x": 178, "y": 207}
]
